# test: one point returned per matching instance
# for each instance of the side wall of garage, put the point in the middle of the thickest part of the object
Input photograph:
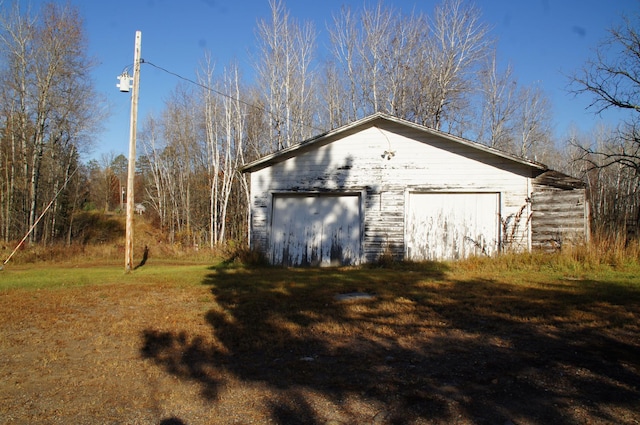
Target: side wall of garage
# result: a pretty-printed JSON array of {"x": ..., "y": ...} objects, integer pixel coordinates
[{"x": 560, "y": 216}]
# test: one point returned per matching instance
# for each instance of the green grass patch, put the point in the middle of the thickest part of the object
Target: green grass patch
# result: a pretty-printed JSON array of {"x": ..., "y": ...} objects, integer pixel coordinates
[
  {"x": 40, "y": 276},
  {"x": 406, "y": 279}
]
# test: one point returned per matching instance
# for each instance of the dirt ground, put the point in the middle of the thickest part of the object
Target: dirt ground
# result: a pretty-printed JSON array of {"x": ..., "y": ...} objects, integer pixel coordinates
[{"x": 423, "y": 350}]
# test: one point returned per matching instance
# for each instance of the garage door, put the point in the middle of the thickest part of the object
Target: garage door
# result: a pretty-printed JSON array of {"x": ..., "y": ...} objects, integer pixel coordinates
[
  {"x": 315, "y": 230},
  {"x": 448, "y": 226}
]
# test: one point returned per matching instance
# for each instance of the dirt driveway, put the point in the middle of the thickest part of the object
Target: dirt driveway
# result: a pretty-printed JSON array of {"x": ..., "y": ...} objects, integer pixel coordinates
[{"x": 284, "y": 350}]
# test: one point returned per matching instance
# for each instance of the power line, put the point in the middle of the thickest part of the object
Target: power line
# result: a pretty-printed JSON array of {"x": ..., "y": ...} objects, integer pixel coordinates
[{"x": 227, "y": 95}]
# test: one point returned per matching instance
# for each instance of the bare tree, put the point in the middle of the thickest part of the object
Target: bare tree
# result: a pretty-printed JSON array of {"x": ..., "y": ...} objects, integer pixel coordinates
[
  {"x": 457, "y": 44},
  {"x": 345, "y": 38},
  {"x": 613, "y": 187},
  {"x": 192, "y": 155},
  {"x": 99, "y": 177},
  {"x": 233, "y": 138},
  {"x": 224, "y": 125},
  {"x": 404, "y": 55},
  {"x": 377, "y": 28},
  {"x": 416, "y": 67},
  {"x": 285, "y": 76},
  {"x": 612, "y": 80},
  {"x": 156, "y": 192},
  {"x": 210, "y": 116},
  {"x": 498, "y": 105},
  {"x": 180, "y": 159},
  {"x": 375, "y": 53},
  {"x": 335, "y": 111},
  {"x": 53, "y": 108},
  {"x": 533, "y": 124}
]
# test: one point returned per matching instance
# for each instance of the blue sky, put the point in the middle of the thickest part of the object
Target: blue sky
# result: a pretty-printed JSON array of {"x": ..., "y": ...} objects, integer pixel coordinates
[{"x": 544, "y": 40}]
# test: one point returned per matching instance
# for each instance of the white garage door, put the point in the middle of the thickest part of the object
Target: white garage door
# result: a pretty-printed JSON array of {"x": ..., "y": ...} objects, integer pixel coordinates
[
  {"x": 448, "y": 226},
  {"x": 315, "y": 230}
]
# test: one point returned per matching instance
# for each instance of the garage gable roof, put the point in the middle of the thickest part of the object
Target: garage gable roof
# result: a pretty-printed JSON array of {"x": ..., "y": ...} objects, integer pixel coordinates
[{"x": 370, "y": 121}]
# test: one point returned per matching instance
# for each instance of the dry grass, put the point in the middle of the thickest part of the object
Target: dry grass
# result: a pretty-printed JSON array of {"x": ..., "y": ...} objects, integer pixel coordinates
[
  {"x": 109, "y": 247},
  {"x": 524, "y": 339}
]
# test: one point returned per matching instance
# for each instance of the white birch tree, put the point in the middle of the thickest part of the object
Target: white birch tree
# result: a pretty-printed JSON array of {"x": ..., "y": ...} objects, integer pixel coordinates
[
  {"x": 457, "y": 44},
  {"x": 285, "y": 76},
  {"x": 498, "y": 102},
  {"x": 533, "y": 124}
]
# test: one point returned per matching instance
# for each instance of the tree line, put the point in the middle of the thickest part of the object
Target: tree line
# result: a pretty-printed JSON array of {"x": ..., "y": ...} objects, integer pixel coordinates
[{"x": 438, "y": 69}]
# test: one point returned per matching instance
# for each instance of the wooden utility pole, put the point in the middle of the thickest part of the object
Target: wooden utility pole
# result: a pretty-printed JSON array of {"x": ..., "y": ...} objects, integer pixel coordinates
[{"x": 128, "y": 250}]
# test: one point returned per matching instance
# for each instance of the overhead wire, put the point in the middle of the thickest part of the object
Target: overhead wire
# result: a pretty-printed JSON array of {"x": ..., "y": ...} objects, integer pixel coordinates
[{"x": 263, "y": 109}]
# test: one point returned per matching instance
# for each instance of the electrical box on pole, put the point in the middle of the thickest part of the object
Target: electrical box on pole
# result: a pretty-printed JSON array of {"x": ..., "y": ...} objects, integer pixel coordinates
[{"x": 125, "y": 82}]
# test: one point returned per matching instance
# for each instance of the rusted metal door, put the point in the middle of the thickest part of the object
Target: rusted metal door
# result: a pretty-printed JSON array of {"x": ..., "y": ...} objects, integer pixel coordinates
[
  {"x": 315, "y": 230},
  {"x": 449, "y": 226}
]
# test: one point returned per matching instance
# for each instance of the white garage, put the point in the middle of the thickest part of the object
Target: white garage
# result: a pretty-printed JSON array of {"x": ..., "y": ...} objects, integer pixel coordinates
[
  {"x": 451, "y": 225},
  {"x": 315, "y": 229},
  {"x": 383, "y": 187}
]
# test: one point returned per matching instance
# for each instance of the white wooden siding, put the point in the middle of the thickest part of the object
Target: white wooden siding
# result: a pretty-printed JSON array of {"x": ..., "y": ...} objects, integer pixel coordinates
[{"x": 316, "y": 230}]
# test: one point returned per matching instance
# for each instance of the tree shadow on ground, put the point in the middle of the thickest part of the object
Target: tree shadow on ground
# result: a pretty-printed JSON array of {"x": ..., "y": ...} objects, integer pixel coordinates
[{"x": 425, "y": 349}]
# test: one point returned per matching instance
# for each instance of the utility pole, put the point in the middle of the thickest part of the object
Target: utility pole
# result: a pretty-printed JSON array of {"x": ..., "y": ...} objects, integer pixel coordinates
[{"x": 128, "y": 250}]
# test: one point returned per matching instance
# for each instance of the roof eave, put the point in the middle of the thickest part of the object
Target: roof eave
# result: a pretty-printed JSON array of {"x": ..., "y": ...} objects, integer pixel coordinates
[
  {"x": 286, "y": 152},
  {"x": 470, "y": 143}
]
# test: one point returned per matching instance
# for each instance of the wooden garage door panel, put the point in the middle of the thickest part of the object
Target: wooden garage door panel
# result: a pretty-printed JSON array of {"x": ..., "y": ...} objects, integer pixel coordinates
[
  {"x": 448, "y": 226},
  {"x": 315, "y": 230}
]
